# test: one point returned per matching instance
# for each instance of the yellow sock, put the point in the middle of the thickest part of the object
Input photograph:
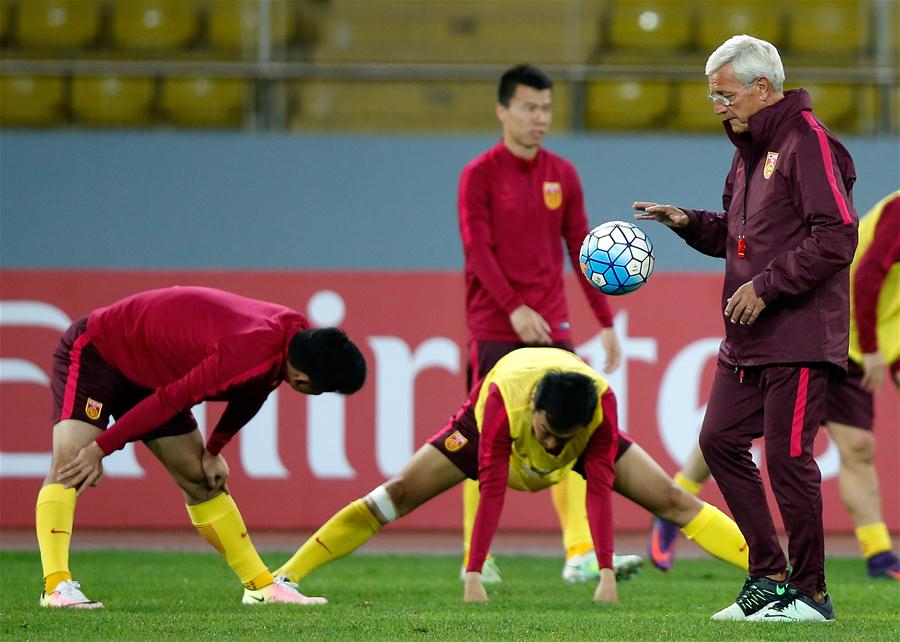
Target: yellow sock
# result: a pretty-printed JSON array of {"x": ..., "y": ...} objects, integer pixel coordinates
[
  {"x": 346, "y": 531},
  {"x": 220, "y": 523},
  {"x": 687, "y": 483},
  {"x": 718, "y": 535},
  {"x": 873, "y": 539},
  {"x": 470, "y": 508},
  {"x": 54, "y": 515},
  {"x": 569, "y": 500}
]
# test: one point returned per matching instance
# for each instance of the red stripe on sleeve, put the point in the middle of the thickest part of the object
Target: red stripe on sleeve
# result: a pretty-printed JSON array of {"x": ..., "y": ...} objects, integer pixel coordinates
[
  {"x": 799, "y": 413},
  {"x": 829, "y": 170},
  {"x": 72, "y": 378}
]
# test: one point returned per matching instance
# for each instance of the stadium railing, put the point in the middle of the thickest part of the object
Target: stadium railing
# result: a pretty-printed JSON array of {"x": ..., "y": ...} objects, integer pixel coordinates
[{"x": 425, "y": 65}]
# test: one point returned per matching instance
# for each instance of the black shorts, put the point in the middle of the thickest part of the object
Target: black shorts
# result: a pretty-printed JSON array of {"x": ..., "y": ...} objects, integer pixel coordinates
[
  {"x": 484, "y": 355},
  {"x": 848, "y": 403},
  {"x": 88, "y": 389}
]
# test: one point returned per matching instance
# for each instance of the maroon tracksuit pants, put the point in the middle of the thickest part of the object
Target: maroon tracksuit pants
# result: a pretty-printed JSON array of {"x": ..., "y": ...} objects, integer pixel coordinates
[{"x": 784, "y": 405}]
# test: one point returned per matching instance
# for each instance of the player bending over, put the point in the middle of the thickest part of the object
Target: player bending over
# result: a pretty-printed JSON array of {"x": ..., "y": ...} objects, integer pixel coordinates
[
  {"x": 538, "y": 414},
  {"x": 146, "y": 360}
]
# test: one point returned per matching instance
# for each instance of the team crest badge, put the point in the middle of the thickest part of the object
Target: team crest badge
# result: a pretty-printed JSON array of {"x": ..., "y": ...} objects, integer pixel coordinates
[
  {"x": 455, "y": 441},
  {"x": 92, "y": 408},
  {"x": 769, "y": 169},
  {"x": 552, "y": 195}
]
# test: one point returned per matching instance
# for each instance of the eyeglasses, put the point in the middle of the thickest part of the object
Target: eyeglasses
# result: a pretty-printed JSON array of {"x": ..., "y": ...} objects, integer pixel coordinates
[{"x": 728, "y": 100}]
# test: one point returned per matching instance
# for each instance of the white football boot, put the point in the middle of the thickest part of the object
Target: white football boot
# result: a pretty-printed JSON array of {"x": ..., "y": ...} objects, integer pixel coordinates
[
  {"x": 281, "y": 591},
  {"x": 67, "y": 594},
  {"x": 490, "y": 573},
  {"x": 584, "y": 568}
]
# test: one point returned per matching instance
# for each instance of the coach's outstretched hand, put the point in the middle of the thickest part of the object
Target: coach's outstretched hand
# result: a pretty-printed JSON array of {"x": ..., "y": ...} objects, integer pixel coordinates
[
  {"x": 607, "y": 591},
  {"x": 83, "y": 471},
  {"x": 474, "y": 591},
  {"x": 665, "y": 214}
]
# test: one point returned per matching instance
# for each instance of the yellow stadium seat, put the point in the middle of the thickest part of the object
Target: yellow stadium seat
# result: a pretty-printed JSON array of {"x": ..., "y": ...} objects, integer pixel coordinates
[
  {"x": 4, "y": 20},
  {"x": 828, "y": 30},
  {"x": 400, "y": 106},
  {"x": 32, "y": 101},
  {"x": 626, "y": 104},
  {"x": 649, "y": 26},
  {"x": 842, "y": 107},
  {"x": 453, "y": 31},
  {"x": 234, "y": 25},
  {"x": 894, "y": 108},
  {"x": 204, "y": 102},
  {"x": 693, "y": 112},
  {"x": 110, "y": 100},
  {"x": 894, "y": 31},
  {"x": 155, "y": 25},
  {"x": 308, "y": 19},
  {"x": 57, "y": 24},
  {"x": 718, "y": 21}
]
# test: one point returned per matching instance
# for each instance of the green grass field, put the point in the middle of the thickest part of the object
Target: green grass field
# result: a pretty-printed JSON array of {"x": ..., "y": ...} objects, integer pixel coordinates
[{"x": 193, "y": 596}]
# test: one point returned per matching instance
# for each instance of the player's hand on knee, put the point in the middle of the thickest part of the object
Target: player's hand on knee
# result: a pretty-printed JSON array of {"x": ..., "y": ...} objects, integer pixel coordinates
[
  {"x": 83, "y": 471},
  {"x": 215, "y": 469},
  {"x": 607, "y": 591},
  {"x": 474, "y": 589}
]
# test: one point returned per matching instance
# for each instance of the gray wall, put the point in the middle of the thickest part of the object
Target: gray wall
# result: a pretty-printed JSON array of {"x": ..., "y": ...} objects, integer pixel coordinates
[{"x": 175, "y": 200}]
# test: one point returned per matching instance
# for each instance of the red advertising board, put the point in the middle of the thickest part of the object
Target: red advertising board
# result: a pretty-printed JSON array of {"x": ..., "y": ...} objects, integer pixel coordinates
[{"x": 302, "y": 458}]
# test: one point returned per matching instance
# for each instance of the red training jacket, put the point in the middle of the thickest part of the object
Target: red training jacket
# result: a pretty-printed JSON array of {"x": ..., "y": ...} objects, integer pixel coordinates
[
  {"x": 512, "y": 214},
  {"x": 190, "y": 344}
]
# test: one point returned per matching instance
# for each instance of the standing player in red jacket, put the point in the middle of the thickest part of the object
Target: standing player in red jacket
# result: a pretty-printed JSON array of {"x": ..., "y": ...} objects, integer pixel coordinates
[
  {"x": 787, "y": 235},
  {"x": 146, "y": 360}
]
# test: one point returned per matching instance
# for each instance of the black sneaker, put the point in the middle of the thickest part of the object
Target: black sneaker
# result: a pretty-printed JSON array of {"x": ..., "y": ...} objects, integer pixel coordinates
[
  {"x": 796, "y": 607},
  {"x": 757, "y": 594}
]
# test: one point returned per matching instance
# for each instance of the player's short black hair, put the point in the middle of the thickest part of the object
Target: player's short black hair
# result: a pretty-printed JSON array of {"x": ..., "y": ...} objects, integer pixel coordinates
[
  {"x": 333, "y": 362},
  {"x": 527, "y": 75},
  {"x": 568, "y": 398}
]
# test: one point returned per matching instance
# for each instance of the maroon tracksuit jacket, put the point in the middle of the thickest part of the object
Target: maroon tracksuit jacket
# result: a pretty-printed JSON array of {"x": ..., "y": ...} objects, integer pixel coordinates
[{"x": 789, "y": 196}]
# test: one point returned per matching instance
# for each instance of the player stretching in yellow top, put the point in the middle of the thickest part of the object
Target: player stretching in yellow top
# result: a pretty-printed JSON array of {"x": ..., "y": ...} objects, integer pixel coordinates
[{"x": 538, "y": 414}]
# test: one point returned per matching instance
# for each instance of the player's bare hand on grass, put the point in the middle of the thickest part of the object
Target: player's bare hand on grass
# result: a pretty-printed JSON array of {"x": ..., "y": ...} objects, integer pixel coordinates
[
  {"x": 665, "y": 214},
  {"x": 744, "y": 305},
  {"x": 612, "y": 348},
  {"x": 474, "y": 589},
  {"x": 874, "y": 368},
  {"x": 531, "y": 327},
  {"x": 216, "y": 470},
  {"x": 83, "y": 471},
  {"x": 607, "y": 591}
]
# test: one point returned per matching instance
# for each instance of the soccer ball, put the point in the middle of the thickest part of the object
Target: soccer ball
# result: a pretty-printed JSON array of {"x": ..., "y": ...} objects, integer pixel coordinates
[{"x": 617, "y": 257}]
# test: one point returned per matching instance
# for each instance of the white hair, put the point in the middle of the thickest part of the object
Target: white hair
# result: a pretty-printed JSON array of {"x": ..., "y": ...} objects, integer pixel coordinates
[{"x": 750, "y": 58}]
